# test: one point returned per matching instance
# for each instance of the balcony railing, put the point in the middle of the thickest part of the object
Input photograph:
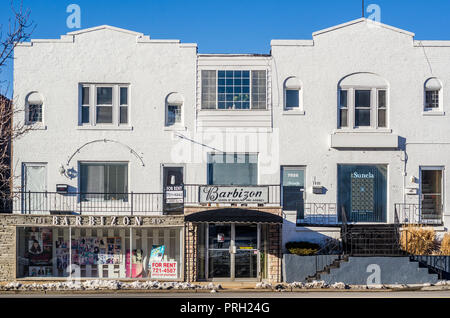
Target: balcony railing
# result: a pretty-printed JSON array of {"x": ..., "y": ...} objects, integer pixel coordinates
[
  {"x": 88, "y": 203},
  {"x": 321, "y": 214},
  {"x": 413, "y": 213}
]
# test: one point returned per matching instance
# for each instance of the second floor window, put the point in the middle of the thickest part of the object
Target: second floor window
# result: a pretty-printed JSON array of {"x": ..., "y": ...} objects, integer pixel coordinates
[
  {"x": 362, "y": 108},
  {"x": 34, "y": 108},
  {"x": 173, "y": 115},
  {"x": 236, "y": 89},
  {"x": 104, "y": 181},
  {"x": 433, "y": 95},
  {"x": 103, "y": 104}
]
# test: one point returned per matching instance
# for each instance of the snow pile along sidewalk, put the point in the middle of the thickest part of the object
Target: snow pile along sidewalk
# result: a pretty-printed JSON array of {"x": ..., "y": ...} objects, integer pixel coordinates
[
  {"x": 340, "y": 285},
  {"x": 106, "y": 285}
]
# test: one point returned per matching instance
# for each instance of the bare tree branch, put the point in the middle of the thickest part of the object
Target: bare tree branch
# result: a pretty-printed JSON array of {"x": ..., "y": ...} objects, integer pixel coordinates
[{"x": 20, "y": 28}]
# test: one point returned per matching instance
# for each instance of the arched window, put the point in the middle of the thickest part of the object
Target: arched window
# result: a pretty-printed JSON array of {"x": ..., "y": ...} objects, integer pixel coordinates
[
  {"x": 174, "y": 110},
  {"x": 292, "y": 94},
  {"x": 433, "y": 95},
  {"x": 33, "y": 106},
  {"x": 362, "y": 101}
]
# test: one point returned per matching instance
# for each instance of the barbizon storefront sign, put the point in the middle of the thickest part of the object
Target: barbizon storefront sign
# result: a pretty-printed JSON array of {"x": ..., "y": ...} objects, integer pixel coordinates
[{"x": 234, "y": 194}]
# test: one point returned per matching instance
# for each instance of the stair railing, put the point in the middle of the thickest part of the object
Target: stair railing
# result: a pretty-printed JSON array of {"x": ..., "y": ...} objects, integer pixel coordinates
[
  {"x": 344, "y": 230},
  {"x": 397, "y": 231},
  {"x": 334, "y": 246}
]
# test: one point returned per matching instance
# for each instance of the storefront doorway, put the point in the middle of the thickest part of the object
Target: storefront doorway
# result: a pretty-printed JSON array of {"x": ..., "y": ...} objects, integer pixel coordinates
[{"x": 233, "y": 251}]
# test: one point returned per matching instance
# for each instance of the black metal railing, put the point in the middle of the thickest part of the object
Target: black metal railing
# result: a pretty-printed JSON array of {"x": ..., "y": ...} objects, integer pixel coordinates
[
  {"x": 192, "y": 193},
  {"x": 413, "y": 213},
  {"x": 320, "y": 214},
  {"x": 87, "y": 203}
]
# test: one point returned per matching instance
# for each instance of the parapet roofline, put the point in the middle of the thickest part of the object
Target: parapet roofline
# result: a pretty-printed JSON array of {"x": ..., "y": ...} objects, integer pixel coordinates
[
  {"x": 362, "y": 20},
  {"x": 103, "y": 27},
  {"x": 140, "y": 37}
]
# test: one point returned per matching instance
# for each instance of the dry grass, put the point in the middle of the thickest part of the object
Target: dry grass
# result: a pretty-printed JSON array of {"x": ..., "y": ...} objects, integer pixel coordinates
[
  {"x": 418, "y": 240},
  {"x": 445, "y": 245}
]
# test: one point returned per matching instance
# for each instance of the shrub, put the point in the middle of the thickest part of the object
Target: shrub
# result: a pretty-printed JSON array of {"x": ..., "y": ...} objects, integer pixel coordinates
[
  {"x": 302, "y": 248},
  {"x": 418, "y": 240},
  {"x": 445, "y": 244}
]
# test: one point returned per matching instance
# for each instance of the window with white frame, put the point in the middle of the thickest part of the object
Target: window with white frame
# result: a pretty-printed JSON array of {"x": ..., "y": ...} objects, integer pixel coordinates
[
  {"x": 292, "y": 94},
  {"x": 34, "y": 108},
  {"x": 104, "y": 104},
  {"x": 173, "y": 115},
  {"x": 362, "y": 102},
  {"x": 362, "y": 107},
  {"x": 433, "y": 95},
  {"x": 174, "y": 110},
  {"x": 234, "y": 89},
  {"x": 104, "y": 180},
  {"x": 343, "y": 108}
]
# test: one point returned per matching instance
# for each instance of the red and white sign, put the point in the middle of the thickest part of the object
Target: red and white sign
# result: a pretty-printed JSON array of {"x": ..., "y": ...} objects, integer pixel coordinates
[{"x": 163, "y": 270}]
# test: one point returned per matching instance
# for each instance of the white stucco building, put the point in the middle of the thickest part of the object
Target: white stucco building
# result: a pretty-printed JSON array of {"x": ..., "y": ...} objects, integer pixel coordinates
[{"x": 355, "y": 118}]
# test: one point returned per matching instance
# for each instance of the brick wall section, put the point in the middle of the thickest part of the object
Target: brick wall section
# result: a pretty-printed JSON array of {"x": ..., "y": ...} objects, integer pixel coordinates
[
  {"x": 7, "y": 248},
  {"x": 274, "y": 257},
  {"x": 190, "y": 252}
]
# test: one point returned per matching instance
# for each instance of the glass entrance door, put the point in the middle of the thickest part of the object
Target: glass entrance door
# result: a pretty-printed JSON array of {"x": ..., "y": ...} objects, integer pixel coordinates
[
  {"x": 246, "y": 251},
  {"x": 219, "y": 248},
  {"x": 431, "y": 194},
  {"x": 233, "y": 252}
]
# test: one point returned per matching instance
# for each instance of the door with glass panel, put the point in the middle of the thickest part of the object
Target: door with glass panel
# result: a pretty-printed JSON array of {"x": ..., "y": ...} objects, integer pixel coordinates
[
  {"x": 245, "y": 251},
  {"x": 431, "y": 194},
  {"x": 233, "y": 252},
  {"x": 219, "y": 251},
  {"x": 293, "y": 191},
  {"x": 172, "y": 184},
  {"x": 34, "y": 199}
]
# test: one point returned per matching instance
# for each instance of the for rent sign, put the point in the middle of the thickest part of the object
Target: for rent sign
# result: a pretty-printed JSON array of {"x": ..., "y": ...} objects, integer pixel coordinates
[
  {"x": 163, "y": 270},
  {"x": 233, "y": 194}
]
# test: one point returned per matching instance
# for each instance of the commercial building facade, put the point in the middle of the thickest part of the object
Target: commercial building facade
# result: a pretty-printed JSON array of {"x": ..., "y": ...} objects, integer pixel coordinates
[{"x": 205, "y": 165}]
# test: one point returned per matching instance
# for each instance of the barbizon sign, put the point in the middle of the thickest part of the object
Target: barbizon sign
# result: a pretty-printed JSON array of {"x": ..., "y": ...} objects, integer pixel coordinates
[{"x": 233, "y": 194}]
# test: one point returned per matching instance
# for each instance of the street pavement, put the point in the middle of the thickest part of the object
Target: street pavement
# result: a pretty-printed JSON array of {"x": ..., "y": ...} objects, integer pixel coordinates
[{"x": 247, "y": 294}]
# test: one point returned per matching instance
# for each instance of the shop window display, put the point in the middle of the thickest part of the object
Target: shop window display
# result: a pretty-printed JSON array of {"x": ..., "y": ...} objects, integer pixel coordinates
[{"x": 99, "y": 252}]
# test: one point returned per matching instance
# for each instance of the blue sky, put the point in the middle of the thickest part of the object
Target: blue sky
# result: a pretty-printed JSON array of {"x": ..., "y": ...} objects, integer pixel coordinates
[{"x": 230, "y": 26}]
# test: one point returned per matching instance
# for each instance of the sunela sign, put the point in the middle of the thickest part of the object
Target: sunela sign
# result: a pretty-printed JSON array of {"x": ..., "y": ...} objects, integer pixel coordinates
[
  {"x": 232, "y": 194},
  {"x": 356, "y": 175}
]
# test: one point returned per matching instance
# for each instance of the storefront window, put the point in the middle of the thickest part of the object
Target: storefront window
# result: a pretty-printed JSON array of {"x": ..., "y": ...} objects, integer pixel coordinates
[
  {"x": 362, "y": 192},
  {"x": 100, "y": 252}
]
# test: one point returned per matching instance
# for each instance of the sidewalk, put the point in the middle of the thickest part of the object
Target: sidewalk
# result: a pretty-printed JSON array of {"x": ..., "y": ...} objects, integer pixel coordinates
[{"x": 117, "y": 287}]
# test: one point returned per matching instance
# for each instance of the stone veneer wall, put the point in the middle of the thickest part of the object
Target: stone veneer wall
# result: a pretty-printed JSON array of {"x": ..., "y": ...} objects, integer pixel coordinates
[
  {"x": 7, "y": 247},
  {"x": 275, "y": 252}
]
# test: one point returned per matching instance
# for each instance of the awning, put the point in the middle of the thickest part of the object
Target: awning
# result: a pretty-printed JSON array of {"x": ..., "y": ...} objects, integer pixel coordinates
[{"x": 233, "y": 215}]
